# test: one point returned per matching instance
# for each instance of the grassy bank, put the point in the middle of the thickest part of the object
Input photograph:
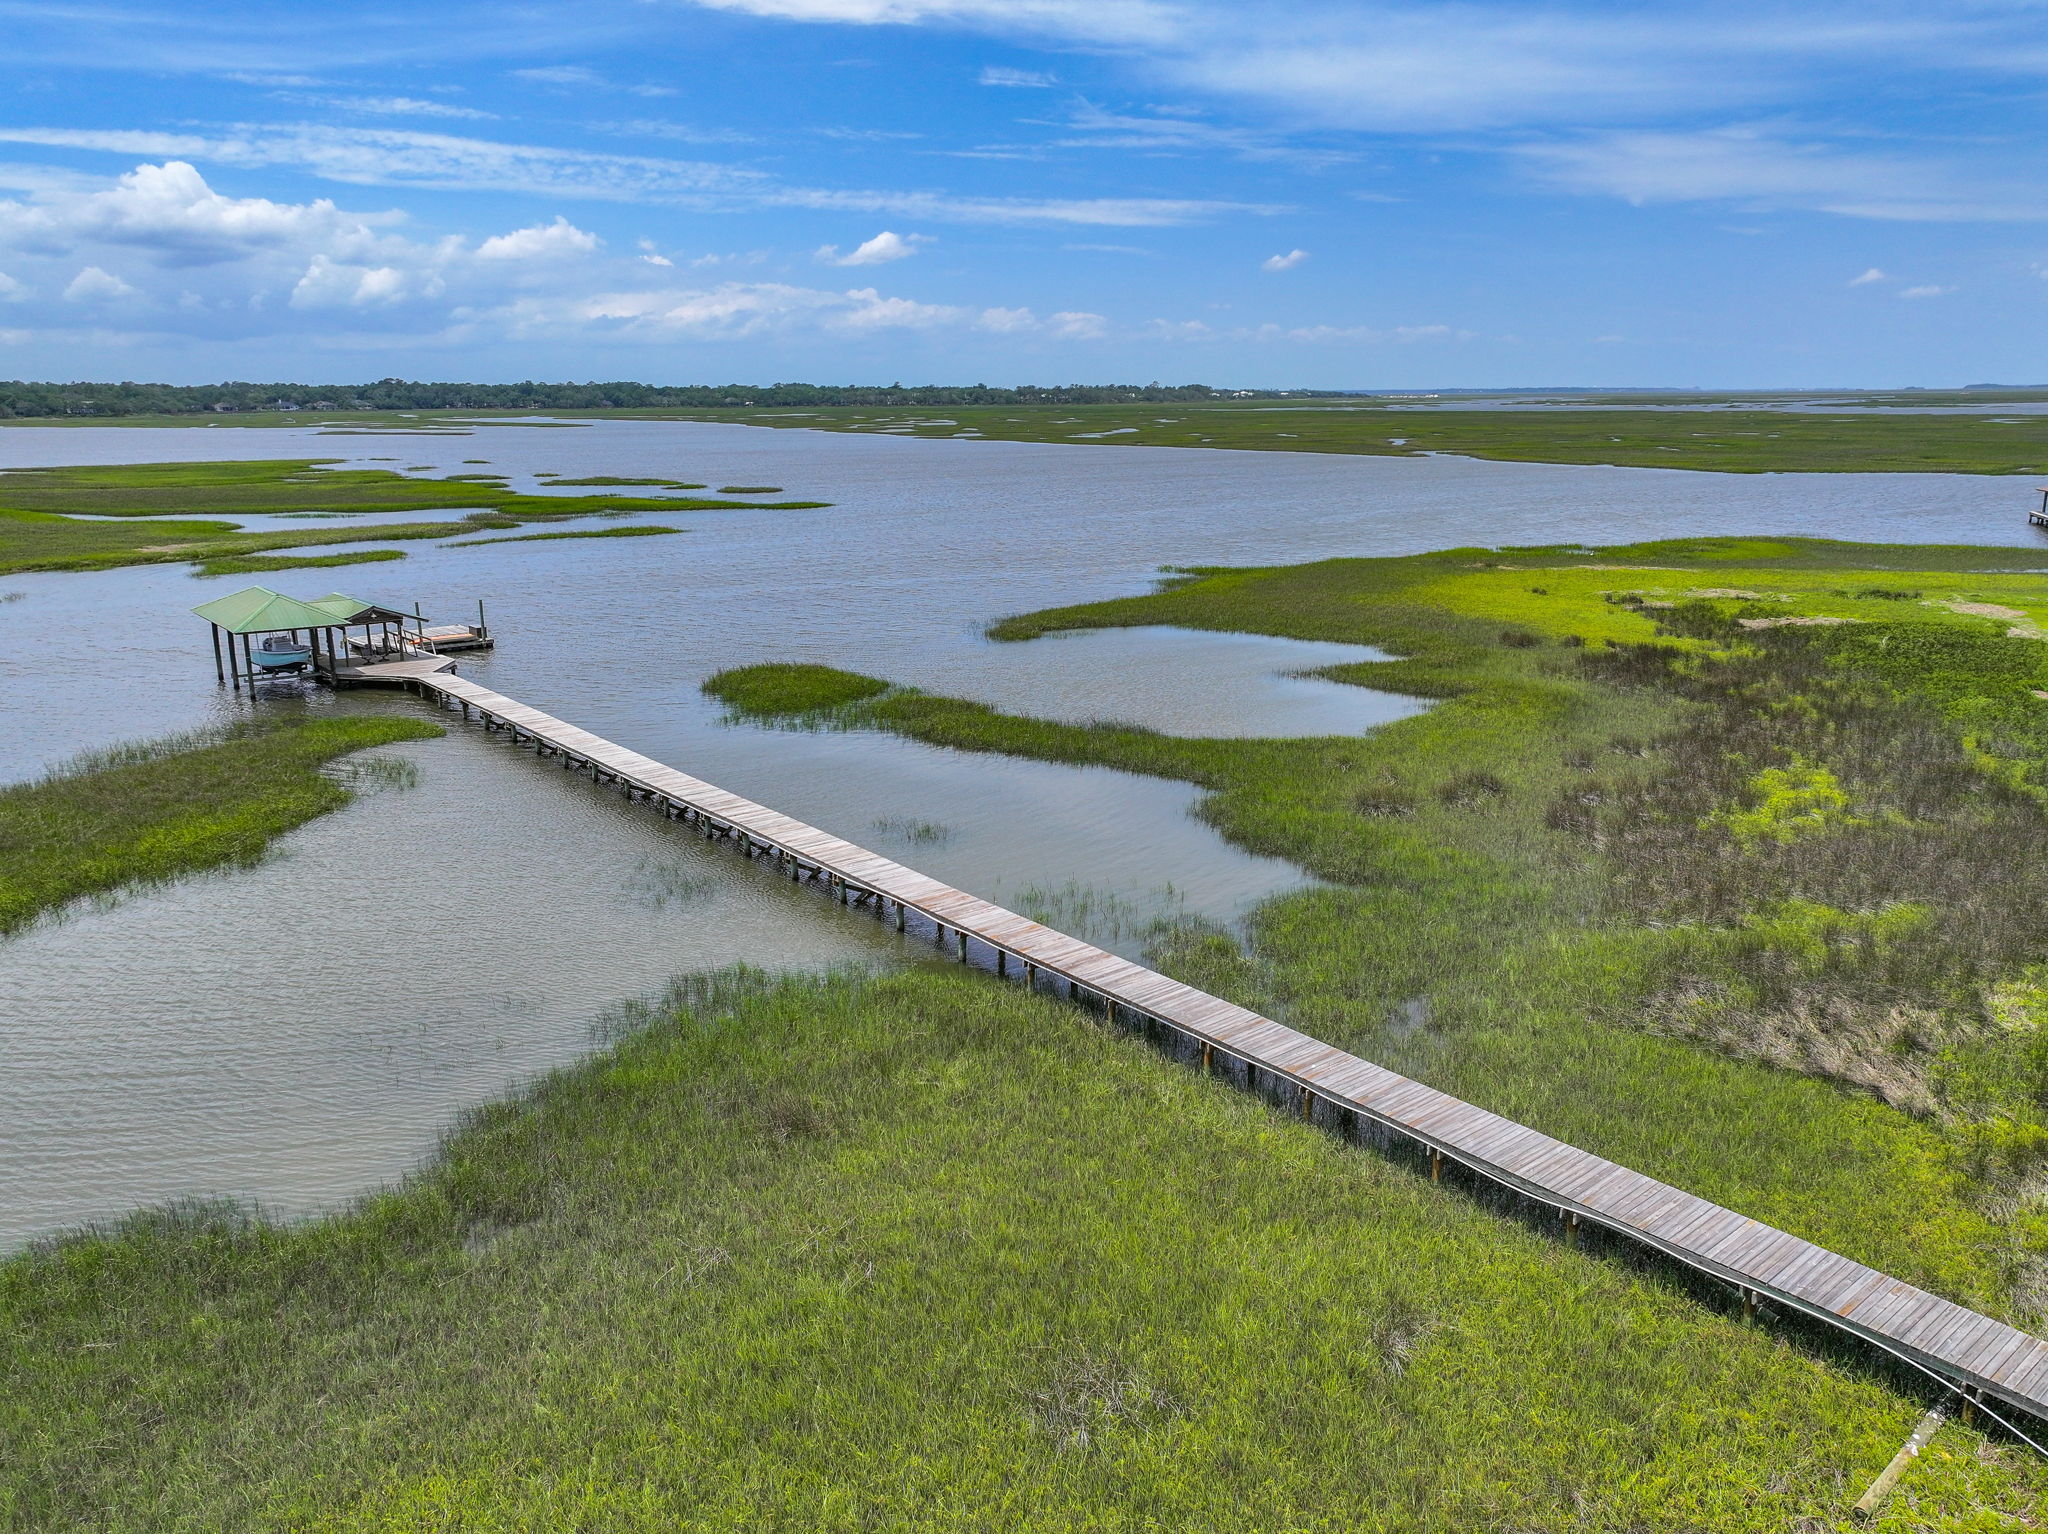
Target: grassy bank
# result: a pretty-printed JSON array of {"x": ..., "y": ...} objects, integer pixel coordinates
[
  {"x": 259, "y": 564},
  {"x": 1731, "y": 441},
  {"x": 1746, "y": 907},
  {"x": 641, "y": 530},
  {"x": 916, "y": 1252},
  {"x": 1894, "y": 438},
  {"x": 291, "y": 486},
  {"x": 146, "y": 813},
  {"x": 100, "y": 516}
]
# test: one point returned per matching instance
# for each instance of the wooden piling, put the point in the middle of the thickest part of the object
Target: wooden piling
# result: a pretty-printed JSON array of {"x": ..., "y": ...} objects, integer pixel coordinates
[{"x": 1868, "y": 1504}]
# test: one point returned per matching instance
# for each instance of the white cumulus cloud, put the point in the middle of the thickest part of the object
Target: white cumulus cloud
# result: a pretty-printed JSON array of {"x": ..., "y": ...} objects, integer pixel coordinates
[
  {"x": 539, "y": 242},
  {"x": 1870, "y": 274},
  {"x": 169, "y": 211},
  {"x": 96, "y": 285},
  {"x": 1078, "y": 325},
  {"x": 1285, "y": 263},
  {"x": 884, "y": 247},
  {"x": 181, "y": 261}
]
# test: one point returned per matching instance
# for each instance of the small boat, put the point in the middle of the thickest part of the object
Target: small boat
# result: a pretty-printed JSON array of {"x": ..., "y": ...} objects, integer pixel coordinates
[{"x": 281, "y": 652}]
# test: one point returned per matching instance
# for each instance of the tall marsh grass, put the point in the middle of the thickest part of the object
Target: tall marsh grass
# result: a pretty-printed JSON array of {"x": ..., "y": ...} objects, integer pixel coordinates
[
  {"x": 914, "y": 1252},
  {"x": 152, "y": 811}
]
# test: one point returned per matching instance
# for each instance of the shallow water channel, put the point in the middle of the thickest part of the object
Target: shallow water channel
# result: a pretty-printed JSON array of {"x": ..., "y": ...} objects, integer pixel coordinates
[{"x": 298, "y": 1032}]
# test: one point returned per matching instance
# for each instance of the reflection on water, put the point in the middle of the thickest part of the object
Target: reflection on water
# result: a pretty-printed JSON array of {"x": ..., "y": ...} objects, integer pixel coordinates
[{"x": 432, "y": 944}]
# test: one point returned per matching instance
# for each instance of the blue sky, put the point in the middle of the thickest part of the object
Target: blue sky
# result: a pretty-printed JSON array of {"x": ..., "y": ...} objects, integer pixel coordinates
[{"x": 1317, "y": 194}]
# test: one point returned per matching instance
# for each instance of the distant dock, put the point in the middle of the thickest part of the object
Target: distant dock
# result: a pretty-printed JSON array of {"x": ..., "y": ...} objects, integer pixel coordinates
[{"x": 1981, "y": 1363}]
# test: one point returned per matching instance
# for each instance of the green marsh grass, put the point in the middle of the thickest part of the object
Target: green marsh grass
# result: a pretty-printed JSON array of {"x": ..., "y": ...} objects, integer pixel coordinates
[
  {"x": 148, "y": 813},
  {"x": 783, "y": 690},
  {"x": 1894, "y": 439},
  {"x": 916, "y": 1252},
  {"x": 257, "y": 564},
  {"x": 1725, "y": 441},
  {"x": 574, "y": 532},
  {"x": 1546, "y": 864},
  {"x": 95, "y": 517},
  {"x": 613, "y": 479}
]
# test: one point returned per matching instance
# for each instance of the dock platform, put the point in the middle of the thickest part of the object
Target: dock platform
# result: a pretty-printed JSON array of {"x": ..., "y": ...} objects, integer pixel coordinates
[
  {"x": 389, "y": 673},
  {"x": 1985, "y": 1362}
]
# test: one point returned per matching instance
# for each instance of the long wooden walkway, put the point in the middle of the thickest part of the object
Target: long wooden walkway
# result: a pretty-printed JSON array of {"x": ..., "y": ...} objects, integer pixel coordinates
[{"x": 1987, "y": 1362}]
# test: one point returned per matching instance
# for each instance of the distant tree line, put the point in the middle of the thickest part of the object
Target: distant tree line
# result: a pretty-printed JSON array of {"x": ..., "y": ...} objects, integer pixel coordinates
[{"x": 19, "y": 399}]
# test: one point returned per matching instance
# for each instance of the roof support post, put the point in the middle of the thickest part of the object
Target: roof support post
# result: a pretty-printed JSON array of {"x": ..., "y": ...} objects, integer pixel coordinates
[{"x": 220, "y": 673}]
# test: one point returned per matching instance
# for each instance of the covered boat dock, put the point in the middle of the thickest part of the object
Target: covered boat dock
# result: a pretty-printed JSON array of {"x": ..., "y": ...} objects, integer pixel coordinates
[{"x": 260, "y": 634}]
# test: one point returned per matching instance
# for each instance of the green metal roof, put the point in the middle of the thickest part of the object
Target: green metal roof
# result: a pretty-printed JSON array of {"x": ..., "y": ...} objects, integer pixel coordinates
[
  {"x": 347, "y": 609},
  {"x": 259, "y": 610}
]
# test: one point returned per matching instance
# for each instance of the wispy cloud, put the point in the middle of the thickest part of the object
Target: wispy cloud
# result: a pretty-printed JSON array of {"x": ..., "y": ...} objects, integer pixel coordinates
[
  {"x": 1099, "y": 21},
  {"x": 403, "y": 106},
  {"x": 1325, "y": 334},
  {"x": 272, "y": 81},
  {"x": 401, "y": 157},
  {"x": 1869, "y": 275},
  {"x": 1089, "y": 126},
  {"x": 1286, "y": 263},
  {"x": 1925, "y": 290},
  {"x": 869, "y": 135},
  {"x": 1018, "y": 79},
  {"x": 1413, "y": 66},
  {"x": 580, "y": 77},
  {"x": 680, "y": 133},
  {"x": 1768, "y": 168}
]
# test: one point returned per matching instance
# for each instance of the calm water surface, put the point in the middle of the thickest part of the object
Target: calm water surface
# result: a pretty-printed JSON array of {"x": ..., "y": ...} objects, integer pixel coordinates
[{"x": 304, "y": 1030}]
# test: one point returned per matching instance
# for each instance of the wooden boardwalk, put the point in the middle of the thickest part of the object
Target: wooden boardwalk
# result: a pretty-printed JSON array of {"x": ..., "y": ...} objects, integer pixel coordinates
[{"x": 1987, "y": 1362}]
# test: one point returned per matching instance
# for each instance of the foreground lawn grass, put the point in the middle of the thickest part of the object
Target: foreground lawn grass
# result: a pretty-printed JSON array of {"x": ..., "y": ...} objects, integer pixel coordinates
[
  {"x": 915, "y": 1252},
  {"x": 142, "y": 814}
]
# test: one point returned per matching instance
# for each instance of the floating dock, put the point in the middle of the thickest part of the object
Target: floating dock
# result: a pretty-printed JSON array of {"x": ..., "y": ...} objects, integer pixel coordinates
[{"x": 1984, "y": 1363}]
